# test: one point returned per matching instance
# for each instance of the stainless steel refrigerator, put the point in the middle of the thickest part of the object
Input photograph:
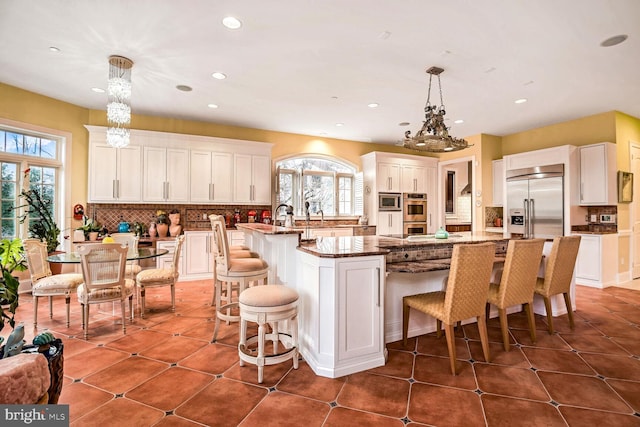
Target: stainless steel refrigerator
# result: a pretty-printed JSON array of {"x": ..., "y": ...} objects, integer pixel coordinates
[{"x": 535, "y": 201}]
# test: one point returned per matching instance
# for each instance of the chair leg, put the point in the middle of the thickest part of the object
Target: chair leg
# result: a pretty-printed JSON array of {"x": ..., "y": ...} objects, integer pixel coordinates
[
  {"x": 438, "y": 328},
  {"x": 567, "y": 301},
  {"x": 260, "y": 358},
  {"x": 142, "y": 302},
  {"x": 173, "y": 296},
  {"x": 547, "y": 307},
  {"x": 218, "y": 301},
  {"x": 85, "y": 316},
  {"x": 67, "y": 300},
  {"x": 532, "y": 321},
  {"x": 451, "y": 345},
  {"x": 131, "y": 307},
  {"x": 405, "y": 323},
  {"x": 35, "y": 311},
  {"x": 504, "y": 327},
  {"x": 50, "y": 307},
  {"x": 124, "y": 317},
  {"x": 484, "y": 338}
]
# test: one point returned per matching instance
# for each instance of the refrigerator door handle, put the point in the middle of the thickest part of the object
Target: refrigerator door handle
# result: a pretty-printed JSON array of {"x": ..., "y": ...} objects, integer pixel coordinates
[
  {"x": 532, "y": 212},
  {"x": 525, "y": 232}
]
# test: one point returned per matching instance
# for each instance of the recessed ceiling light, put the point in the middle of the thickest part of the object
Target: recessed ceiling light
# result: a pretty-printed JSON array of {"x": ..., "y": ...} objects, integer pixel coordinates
[
  {"x": 212, "y": 105},
  {"x": 184, "y": 88},
  {"x": 404, "y": 124},
  {"x": 322, "y": 133},
  {"x": 219, "y": 76},
  {"x": 97, "y": 90},
  {"x": 231, "y": 23},
  {"x": 458, "y": 121},
  {"x": 54, "y": 49},
  {"x": 339, "y": 124},
  {"x": 612, "y": 41},
  {"x": 520, "y": 101},
  {"x": 373, "y": 105}
]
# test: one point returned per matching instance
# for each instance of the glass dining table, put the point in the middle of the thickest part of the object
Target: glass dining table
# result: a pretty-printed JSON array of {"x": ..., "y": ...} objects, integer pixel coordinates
[{"x": 74, "y": 258}]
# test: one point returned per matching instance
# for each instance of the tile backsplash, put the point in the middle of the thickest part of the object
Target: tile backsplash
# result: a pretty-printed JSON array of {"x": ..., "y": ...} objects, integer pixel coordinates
[{"x": 593, "y": 213}]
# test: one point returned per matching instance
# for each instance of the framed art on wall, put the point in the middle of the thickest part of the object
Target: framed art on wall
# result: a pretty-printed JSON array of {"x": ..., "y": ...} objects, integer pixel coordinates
[{"x": 625, "y": 187}]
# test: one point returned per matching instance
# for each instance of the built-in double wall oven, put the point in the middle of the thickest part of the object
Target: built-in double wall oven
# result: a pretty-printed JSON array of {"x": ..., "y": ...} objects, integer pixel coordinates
[{"x": 414, "y": 213}]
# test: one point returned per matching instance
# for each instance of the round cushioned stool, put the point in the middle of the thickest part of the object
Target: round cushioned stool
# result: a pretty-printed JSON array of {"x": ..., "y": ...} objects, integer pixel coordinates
[{"x": 268, "y": 304}]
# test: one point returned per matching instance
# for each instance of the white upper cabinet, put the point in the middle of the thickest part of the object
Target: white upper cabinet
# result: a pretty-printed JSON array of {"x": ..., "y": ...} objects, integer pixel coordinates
[
  {"x": 114, "y": 173},
  {"x": 413, "y": 179},
  {"x": 252, "y": 179},
  {"x": 598, "y": 174},
  {"x": 432, "y": 198},
  {"x": 165, "y": 175},
  {"x": 498, "y": 182},
  {"x": 211, "y": 175},
  {"x": 163, "y": 167},
  {"x": 388, "y": 177}
]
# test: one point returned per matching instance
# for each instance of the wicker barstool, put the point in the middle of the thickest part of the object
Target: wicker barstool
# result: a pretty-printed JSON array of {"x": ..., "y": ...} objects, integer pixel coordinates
[
  {"x": 558, "y": 275},
  {"x": 465, "y": 296},
  {"x": 516, "y": 285}
]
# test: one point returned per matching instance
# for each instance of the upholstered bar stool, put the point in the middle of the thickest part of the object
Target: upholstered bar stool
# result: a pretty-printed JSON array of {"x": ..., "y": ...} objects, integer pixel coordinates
[
  {"x": 240, "y": 272},
  {"x": 268, "y": 304}
]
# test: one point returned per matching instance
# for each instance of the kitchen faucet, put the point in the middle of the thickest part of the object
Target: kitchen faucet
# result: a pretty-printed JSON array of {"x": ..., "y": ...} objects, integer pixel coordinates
[
  {"x": 321, "y": 213},
  {"x": 278, "y": 208},
  {"x": 306, "y": 211}
]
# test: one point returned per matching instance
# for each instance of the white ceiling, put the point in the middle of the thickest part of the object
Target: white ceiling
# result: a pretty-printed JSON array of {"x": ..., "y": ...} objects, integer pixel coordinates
[{"x": 302, "y": 66}]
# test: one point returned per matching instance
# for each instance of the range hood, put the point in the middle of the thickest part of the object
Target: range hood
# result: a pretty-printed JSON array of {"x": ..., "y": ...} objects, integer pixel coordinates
[{"x": 467, "y": 188}]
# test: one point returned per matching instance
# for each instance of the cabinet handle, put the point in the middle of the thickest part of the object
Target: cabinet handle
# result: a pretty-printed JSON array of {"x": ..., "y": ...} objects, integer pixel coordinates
[
  {"x": 415, "y": 184},
  {"x": 113, "y": 189},
  {"x": 213, "y": 191},
  {"x": 389, "y": 183},
  {"x": 581, "y": 195},
  {"x": 117, "y": 188},
  {"x": 390, "y": 221},
  {"x": 429, "y": 219},
  {"x": 378, "y": 280}
]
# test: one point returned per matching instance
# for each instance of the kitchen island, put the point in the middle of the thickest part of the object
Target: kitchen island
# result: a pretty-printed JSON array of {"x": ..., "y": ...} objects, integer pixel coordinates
[{"x": 351, "y": 289}]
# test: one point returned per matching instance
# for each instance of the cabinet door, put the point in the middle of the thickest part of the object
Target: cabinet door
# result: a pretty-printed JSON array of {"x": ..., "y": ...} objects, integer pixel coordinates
[
  {"x": 413, "y": 179},
  {"x": 389, "y": 223},
  {"x": 165, "y": 261},
  {"x": 177, "y": 175},
  {"x": 198, "y": 252},
  {"x": 221, "y": 189},
  {"x": 261, "y": 180},
  {"x": 242, "y": 178},
  {"x": 432, "y": 199},
  {"x": 388, "y": 177},
  {"x": 589, "y": 258},
  {"x": 360, "y": 300},
  {"x": 102, "y": 173},
  {"x": 498, "y": 182},
  {"x": 129, "y": 167},
  {"x": 593, "y": 175},
  {"x": 154, "y": 167},
  {"x": 200, "y": 179}
]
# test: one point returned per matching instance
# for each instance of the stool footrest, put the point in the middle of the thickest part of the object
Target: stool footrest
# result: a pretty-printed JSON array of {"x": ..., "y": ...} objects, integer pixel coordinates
[{"x": 268, "y": 337}]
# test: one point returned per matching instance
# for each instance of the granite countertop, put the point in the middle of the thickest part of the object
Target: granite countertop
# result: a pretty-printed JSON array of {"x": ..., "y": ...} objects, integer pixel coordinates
[
  {"x": 338, "y": 247},
  {"x": 268, "y": 228},
  {"x": 426, "y": 265}
]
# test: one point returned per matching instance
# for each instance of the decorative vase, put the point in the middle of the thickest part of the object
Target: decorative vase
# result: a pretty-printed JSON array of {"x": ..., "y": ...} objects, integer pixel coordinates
[
  {"x": 163, "y": 230},
  {"x": 93, "y": 235},
  {"x": 152, "y": 230}
]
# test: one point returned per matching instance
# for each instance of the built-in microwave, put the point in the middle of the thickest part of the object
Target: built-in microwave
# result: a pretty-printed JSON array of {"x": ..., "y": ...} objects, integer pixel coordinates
[{"x": 389, "y": 201}]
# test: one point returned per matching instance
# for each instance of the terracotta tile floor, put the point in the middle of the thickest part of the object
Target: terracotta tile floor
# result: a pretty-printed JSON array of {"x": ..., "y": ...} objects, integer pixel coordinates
[{"x": 165, "y": 371}]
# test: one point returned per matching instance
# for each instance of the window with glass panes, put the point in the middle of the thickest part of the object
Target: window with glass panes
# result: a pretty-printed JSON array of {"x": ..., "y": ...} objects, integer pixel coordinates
[
  {"x": 20, "y": 153},
  {"x": 327, "y": 184}
]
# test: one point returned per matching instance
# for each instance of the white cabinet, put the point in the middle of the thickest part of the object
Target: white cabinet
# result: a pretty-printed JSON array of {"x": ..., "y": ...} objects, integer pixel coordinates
[
  {"x": 165, "y": 175},
  {"x": 598, "y": 174},
  {"x": 114, "y": 173},
  {"x": 413, "y": 179},
  {"x": 389, "y": 223},
  {"x": 341, "y": 327},
  {"x": 252, "y": 179},
  {"x": 388, "y": 177},
  {"x": 498, "y": 182},
  {"x": 597, "y": 260},
  {"x": 211, "y": 174},
  {"x": 198, "y": 254},
  {"x": 165, "y": 261}
]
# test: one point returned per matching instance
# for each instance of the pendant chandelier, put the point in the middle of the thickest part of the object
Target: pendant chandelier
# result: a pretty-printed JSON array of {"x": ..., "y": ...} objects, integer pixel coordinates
[
  {"x": 119, "y": 101},
  {"x": 434, "y": 136}
]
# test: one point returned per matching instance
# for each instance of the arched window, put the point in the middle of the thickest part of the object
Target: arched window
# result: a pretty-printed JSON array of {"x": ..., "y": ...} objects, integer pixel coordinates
[{"x": 328, "y": 185}]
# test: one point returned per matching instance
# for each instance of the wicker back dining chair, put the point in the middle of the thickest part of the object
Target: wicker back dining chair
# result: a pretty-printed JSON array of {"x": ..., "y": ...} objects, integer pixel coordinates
[
  {"x": 516, "y": 286},
  {"x": 103, "y": 269},
  {"x": 43, "y": 282},
  {"x": 558, "y": 275},
  {"x": 465, "y": 296}
]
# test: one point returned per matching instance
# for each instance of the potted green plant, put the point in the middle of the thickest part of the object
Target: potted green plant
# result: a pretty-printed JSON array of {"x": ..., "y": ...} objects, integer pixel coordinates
[
  {"x": 91, "y": 228},
  {"x": 41, "y": 224},
  {"x": 11, "y": 259}
]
